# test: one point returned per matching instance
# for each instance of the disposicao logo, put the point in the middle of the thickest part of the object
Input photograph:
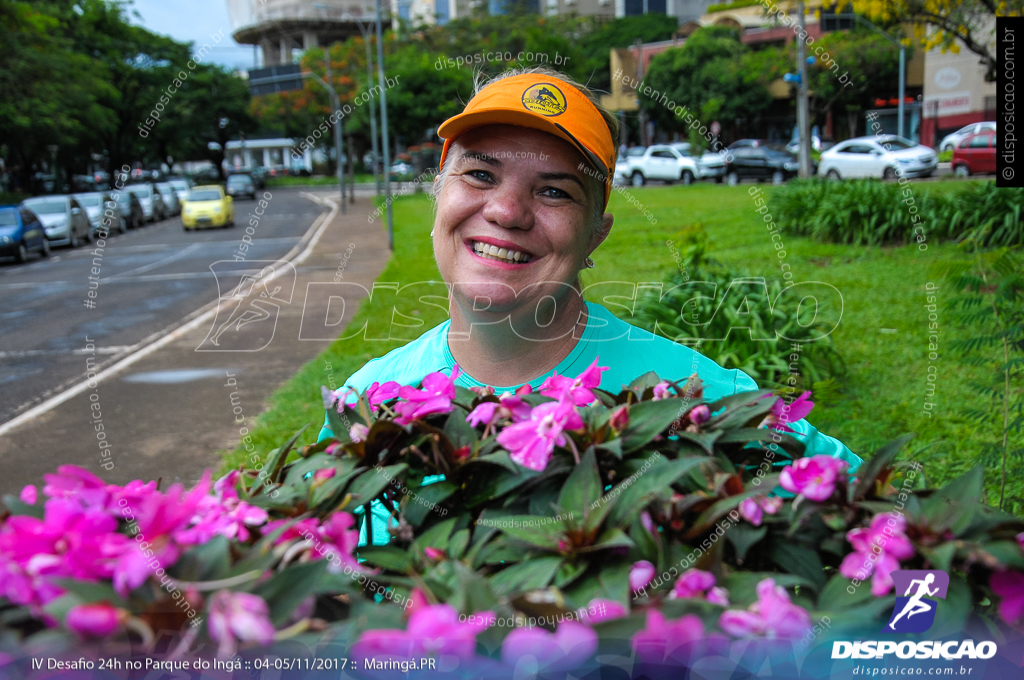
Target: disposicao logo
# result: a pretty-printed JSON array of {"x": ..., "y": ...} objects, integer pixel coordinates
[{"x": 914, "y": 612}]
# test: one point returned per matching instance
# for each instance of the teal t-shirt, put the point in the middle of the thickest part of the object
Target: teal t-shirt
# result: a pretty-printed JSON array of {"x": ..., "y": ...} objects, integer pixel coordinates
[{"x": 628, "y": 351}]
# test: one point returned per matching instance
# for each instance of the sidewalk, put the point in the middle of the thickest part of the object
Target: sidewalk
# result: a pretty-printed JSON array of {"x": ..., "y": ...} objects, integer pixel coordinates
[{"x": 172, "y": 430}]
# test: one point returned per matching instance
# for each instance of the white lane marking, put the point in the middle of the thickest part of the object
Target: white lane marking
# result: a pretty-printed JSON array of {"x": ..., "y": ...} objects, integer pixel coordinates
[
  {"x": 113, "y": 349},
  {"x": 159, "y": 263},
  {"x": 201, "y": 316}
]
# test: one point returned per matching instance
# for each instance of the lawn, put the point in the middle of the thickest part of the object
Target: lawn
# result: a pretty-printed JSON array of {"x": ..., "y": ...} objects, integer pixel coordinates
[
  {"x": 882, "y": 335},
  {"x": 315, "y": 180}
]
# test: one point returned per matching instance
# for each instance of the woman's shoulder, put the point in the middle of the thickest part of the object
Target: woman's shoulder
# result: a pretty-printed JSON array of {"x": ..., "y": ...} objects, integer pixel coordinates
[{"x": 405, "y": 365}]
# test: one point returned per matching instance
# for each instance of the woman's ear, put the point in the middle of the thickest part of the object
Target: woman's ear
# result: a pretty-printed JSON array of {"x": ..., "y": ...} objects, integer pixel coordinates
[{"x": 602, "y": 233}]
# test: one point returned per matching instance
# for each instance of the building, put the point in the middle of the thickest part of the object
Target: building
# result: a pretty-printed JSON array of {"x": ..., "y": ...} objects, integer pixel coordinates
[{"x": 276, "y": 154}]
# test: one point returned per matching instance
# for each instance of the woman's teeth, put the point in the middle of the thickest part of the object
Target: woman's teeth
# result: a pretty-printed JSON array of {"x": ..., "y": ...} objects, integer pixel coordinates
[{"x": 492, "y": 252}]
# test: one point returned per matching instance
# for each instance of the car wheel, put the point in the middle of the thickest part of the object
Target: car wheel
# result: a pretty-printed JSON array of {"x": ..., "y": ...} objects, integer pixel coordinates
[
  {"x": 638, "y": 179},
  {"x": 687, "y": 178},
  {"x": 833, "y": 175},
  {"x": 22, "y": 255},
  {"x": 88, "y": 235},
  {"x": 889, "y": 173},
  {"x": 778, "y": 178},
  {"x": 962, "y": 171},
  {"x": 732, "y": 179},
  {"x": 74, "y": 240},
  {"x": 46, "y": 247}
]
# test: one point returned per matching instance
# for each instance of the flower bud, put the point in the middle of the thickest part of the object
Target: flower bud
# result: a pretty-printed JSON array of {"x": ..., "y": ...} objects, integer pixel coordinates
[
  {"x": 700, "y": 414},
  {"x": 620, "y": 418}
]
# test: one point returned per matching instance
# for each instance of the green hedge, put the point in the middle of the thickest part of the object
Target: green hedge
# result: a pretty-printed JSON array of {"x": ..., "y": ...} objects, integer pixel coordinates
[{"x": 869, "y": 212}]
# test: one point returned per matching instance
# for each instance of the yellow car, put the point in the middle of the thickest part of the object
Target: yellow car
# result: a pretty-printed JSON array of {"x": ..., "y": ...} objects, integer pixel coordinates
[{"x": 207, "y": 206}]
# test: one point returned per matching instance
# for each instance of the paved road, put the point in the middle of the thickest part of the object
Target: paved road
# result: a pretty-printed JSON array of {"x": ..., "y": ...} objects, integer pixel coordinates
[{"x": 166, "y": 409}]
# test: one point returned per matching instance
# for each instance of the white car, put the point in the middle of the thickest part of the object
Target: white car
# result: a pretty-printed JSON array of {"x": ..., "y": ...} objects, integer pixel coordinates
[
  {"x": 885, "y": 156},
  {"x": 949, "y": 142},
  {"x": 662, "y": 162}
]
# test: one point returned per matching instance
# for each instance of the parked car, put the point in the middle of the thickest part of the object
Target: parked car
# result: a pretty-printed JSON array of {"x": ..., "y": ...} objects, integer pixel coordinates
[
  {"x": 952, "y": 141},
  {"x": 64, "y": 219},
  {"x": 401, "y": 170},
  {"x": 181, "y": 187},
  {"x": 152, "y": 203},
  {"x": 975, "y": 154},
  {"x": 96, "y": 204},
  {"x": 258, "y": 173},
  {"x": 241, "y": 184},
  {"x": 170, "y": 197},
  {"x": 662, "y": 162},
  {"x": 869, "y": 157},
  {"x": 130, "y": 207},
  {"x": 207, "y": 206},
  {"x": 21, "y": 233},
  {"x": 760, "y": 163}
]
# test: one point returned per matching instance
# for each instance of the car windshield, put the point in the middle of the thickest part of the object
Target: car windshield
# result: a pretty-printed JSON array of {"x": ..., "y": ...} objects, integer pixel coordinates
[
  {"x": 239, "y": 179},
  {"x": 89, "y": 201},
  {"x": 48, "y": 207},
  {"x": 204, "y": 195},
  {"x": 180, "y": 185},
  {"x": 636, "y": 151},
  {"x": 899, "y": 143},
  {"x": 8, "y": 218},
  {"x": 140, "y": 191}
]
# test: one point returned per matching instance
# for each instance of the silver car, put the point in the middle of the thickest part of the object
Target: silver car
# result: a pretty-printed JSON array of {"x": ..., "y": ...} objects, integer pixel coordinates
[
  {"x": 64, "y": 220},
  {"x": 884, "y": 156},
  {"x": 98, "y": 204},
  {"x": 950, "y": 142},
  {"x": 153, "y": 207},
  {"x": 170, "y": 197},
  {"x": 181, "y": 187}
]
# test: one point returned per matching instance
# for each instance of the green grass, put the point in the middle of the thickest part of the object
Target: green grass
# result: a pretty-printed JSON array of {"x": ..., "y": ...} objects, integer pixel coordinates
[
  {"x": 315, "y": 180},
  {"x": 12, "y": 197},
  {"x": 883, "y": 288}
]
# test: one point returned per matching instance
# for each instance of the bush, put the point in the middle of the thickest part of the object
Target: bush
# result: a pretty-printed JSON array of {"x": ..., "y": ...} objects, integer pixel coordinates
[
  {"x": 600, "y": 515},
  {"x": 685, "y": 313},
  {"x": 868, "y": 212}
]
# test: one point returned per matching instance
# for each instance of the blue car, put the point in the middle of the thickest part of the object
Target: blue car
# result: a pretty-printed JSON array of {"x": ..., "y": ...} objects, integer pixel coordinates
[{"x": 21, "y": 233}]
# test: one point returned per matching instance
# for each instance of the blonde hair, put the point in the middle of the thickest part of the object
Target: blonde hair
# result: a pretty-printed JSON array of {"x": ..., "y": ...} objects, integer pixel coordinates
[{"x": 595, "y": 186}]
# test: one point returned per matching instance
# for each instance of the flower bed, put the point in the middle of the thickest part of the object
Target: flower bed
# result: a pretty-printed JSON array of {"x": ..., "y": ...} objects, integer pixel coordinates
[{"x": 564, "y": 518}]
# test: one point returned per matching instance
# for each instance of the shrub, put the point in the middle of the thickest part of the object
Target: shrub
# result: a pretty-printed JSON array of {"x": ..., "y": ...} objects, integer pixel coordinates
[{"x": 868, "y": 212}]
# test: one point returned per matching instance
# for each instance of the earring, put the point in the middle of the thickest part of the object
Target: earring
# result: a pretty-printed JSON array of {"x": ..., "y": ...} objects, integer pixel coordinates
[
  {"x": 590, "y": 263},
  {"x": 431, "y": 232}
]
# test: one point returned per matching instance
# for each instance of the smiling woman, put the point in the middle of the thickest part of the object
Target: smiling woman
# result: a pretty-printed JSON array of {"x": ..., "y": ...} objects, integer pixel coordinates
[{"x": 511, "y": 234}]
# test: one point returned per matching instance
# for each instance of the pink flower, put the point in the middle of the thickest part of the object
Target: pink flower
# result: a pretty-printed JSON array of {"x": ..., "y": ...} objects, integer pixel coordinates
[
  {"x": 435, "y": 397},
  {"x": 576, "y": 390},
  {"x": 660, "y": 638},
  {"x": 661, "y": 391},
  {"x": 619, "y": 418},
  {"x": 377, "y": 393},
  {"x": 509, "y": 407},
  {"x": 814, "y": 477},
  {"x": 1009, "y": 586},
  {"x": 222, "y": 514},
  {"x": 323, "y": 474},
  {"x": 783, "y": 413},
  {"x": 358, "y": 432},
  {"x": 773, "y": 615},
  {"x": 751, "y": 508},
  {"x": 600, "y": 609},
  {"x": 532, "y": 441},
  {"x": 72, "y": 480},
  {"x": 877, "y": 549},
  {"x": 432, "y": 629},
  {"x": 648, "y": 523},
  {"x": 433, "y": 553},
  {"x": 95, "y": 620},
  {"x": 567, "y": 648},
  {"x": 29, "y": 494},
  {"x": 239, "y": 616},
  {"x": 299, "y": 529},
  {"x": 700, "y": 585},
  {"x": 699, "y": 414},
  {"x": 337, "y": 533},
  {"x": 640, "y": 575}
]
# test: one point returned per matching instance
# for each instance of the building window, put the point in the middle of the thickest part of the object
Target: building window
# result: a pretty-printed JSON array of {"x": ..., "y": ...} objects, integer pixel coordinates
[{"x": 990, "y": 107}]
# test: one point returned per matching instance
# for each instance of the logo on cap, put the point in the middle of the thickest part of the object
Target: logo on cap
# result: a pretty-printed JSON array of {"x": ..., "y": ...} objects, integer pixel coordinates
[{"x": 545, "y": 99}]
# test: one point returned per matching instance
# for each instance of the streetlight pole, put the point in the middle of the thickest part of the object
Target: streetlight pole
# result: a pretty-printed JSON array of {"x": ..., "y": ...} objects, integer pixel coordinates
[
  {"x": 384, "y": 131},
  {"x": 802, "y": 108},
  {"x": 335, "y": 107}
]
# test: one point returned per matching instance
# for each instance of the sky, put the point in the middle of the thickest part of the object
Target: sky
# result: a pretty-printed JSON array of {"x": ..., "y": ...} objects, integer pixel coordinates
[{"x": 194, "y": 21}]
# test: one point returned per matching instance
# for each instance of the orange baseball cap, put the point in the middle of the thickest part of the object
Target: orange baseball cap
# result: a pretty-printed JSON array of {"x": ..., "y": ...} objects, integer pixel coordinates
[{"x": 545, "y": 103}]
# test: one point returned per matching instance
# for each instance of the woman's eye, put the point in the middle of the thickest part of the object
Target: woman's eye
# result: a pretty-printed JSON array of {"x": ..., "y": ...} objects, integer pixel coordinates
[
  {"x": 481, "y": 175},
  {"x": 552, "y": 192}
]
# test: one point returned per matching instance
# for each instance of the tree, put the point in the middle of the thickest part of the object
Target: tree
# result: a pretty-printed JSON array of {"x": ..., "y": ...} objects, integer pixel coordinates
[
  {"x": 952, "y": 22},
  {"x": 714, "y": 76}
]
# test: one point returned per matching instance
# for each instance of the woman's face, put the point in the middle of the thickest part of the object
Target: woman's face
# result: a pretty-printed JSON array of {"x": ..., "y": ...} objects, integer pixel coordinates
[{"x": 523, "y": 193}]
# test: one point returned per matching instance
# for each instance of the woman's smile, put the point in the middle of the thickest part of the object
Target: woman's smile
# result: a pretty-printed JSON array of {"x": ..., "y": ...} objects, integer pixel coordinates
[{"x": 498, "y": 253}]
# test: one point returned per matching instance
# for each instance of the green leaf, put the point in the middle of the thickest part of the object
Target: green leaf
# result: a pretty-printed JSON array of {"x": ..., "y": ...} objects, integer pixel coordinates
[
  {"x": 459, "y": 432},
  {"x": 205, "y": 562},
  {"x": 611, "y": 538},
  {"x": 633, "y": 495},
  {"x": 275, "y": 463},
  {"x": 869, "y": 471},
  {"x": 457, "y": 546},
  {"x": 642, "y": 382},
  {"x": 743, "y": 536},
  {"x": 800, "y": 560},
  {"x": 418, "y": 507},
  {"x": 297, "y": 471},
  {"x": 570, "y": 571},
  {"x": 941, "y": 557},
  {"x": 366, "y": 486},
  {"x": 742, "y": 585},
  {"x": 533, "y": 529},
  {"x": 474, "y": 593},
  {"x": 88, "y": 591},
  {"x": 386, "y": 556},
  {"x": 286, "y": 590},
  {"x": 436, "y": 536},
  {"x": 649, "y": 419},
  {"x": 953, "y": 506},
  {"x": 536, "y": 573},
  {"x": 500, "y": 458},
  {"x": 583, "y": 486},
  {"x": 16, "y": 507},
  {"x": 835, "y": 596}
]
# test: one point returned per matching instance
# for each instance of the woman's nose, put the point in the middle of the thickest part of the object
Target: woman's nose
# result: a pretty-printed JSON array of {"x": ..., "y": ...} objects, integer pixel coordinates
[{"x": 508, "y": 206}]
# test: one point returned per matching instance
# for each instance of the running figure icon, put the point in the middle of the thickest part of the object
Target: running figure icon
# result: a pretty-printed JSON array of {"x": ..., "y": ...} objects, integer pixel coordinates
[{"x": 914, "y": 604}]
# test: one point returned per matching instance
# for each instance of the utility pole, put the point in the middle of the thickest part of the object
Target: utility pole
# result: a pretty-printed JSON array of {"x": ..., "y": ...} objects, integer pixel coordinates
[
  {"x": 336, "y": 107},
  {"x": 373, "y": 114},
  {"x": 384, "y": 131},
  {"x": 802, "y": 108}
]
